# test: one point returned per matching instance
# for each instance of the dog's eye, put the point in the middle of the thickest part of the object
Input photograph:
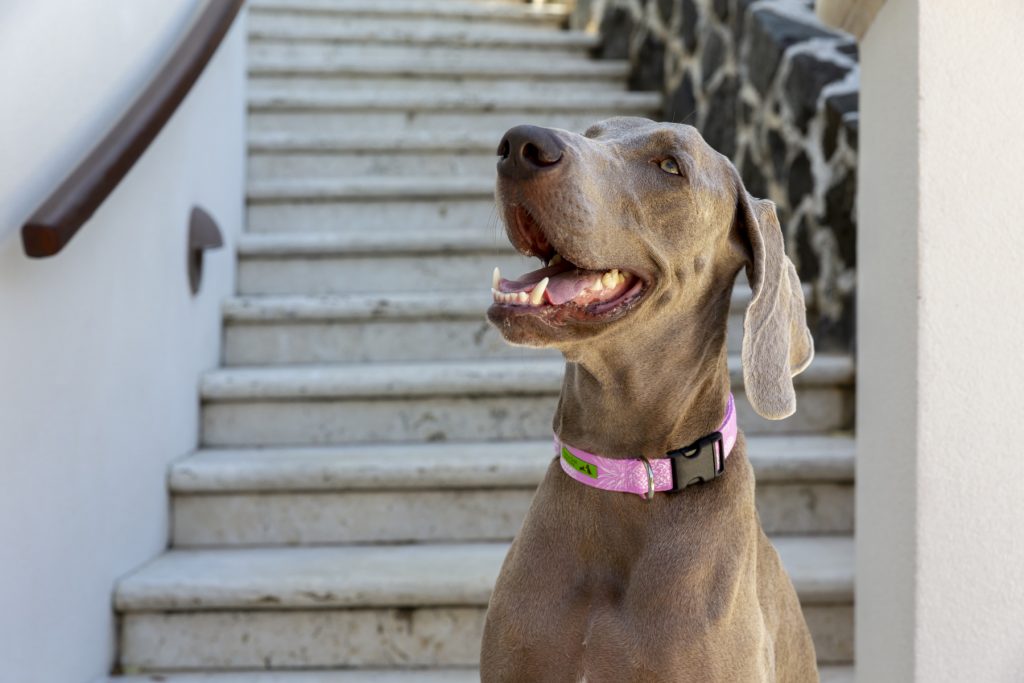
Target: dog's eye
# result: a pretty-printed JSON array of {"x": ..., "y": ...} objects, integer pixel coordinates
[{"x": 670, "y": 166}]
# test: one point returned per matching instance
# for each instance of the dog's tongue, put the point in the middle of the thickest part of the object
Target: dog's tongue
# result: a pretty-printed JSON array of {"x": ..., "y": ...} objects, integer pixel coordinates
[{"x": 565, "y": 282}]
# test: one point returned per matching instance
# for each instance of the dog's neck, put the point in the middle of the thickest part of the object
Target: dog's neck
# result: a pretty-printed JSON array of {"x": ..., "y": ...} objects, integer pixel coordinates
[{"x": 660, "y": 390}]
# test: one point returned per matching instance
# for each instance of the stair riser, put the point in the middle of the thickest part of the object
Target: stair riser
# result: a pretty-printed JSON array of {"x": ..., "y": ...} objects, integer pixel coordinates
[
  {"x": 362, "y": 216},
  {"x": 297, "y": 422},
  {"x": 524, "y": 84},
  {"x": 368, "y": 52},
  {"x": 343, "y": 23},
  {"x": 381, "y": 340},
  {"x": 276, "y": 166},
  {"x": 378, "y": 273},
  {"x": 391, "y": 121},
  {"x": 425, "y": 637},
  {"x": 829, "y": 674},
  {"x": 425, "y": 516}
]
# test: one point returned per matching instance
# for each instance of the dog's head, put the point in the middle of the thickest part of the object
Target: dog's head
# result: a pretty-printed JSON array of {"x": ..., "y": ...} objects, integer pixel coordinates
[{"x": 640, "y": 225}]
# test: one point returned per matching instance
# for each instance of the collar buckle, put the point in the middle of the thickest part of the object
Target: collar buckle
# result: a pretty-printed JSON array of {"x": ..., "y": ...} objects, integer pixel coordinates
[{"x": 698, "y": 463}]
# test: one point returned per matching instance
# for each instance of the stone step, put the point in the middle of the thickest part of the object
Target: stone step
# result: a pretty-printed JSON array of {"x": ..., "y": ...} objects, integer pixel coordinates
[
  {"x": 449, "y": 401},
  {"x": 829, "y": 674},
  {"x": 428, "y": 215},
  {"x": 361, "y": 32},
  {"x": 451, "y": 12},
  {"x": 310, "y": 156},
  {"x": 377, "y": 606},
  {"x": 387, "y": 111},
  {"x": 318, "y": 60},
  {"x": 463, "y": 675},
  {"x": 358, "y": 188},
  {"x": 429, "y": 71},
  {"x": 427, "y": 82},
  {"x": 364, "y": 103},
  {"x": 369, "y": 327},
  {"x": 315, "y": 142},
  {"x": 451, "y": 492},
  {"x": 377, "y": 262},
  {"x": 347, "y": 203},
  {"x": 374, "y": 261}
]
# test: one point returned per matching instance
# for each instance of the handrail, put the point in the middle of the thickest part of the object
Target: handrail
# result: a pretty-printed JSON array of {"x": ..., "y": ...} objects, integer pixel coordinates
[{"x": 68, "y": 207}]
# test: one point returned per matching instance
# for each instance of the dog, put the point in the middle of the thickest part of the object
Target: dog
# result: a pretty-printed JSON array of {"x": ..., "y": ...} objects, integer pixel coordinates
[{"x": 642, "y": 229}]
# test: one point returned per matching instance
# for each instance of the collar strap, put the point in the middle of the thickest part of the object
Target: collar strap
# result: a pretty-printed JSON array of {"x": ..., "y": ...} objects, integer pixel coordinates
[{"x": 701, "y": 461}]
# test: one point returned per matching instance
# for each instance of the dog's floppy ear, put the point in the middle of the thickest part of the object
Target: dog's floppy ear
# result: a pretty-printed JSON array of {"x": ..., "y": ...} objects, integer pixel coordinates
[{"x": 776, "y": 342}]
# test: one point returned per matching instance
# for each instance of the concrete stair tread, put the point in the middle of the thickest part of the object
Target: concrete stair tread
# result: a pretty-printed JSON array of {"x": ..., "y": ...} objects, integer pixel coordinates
[
  {"x": 821, "y": 568},
  {"x": 829, "y": 674},
  {"x": 440, "y": 378},
  {"x": 446, "y": 466},
  {"x": 462, "y": 100},
  {"x": 365, "y": 242},
  {"x": 416, "y": 8},
  {"x": 359, "y": 187},
  {"x": 448, "y": 142},
  {"x": 429, "y": 305},
  {"x": 415, "y": 33},
  {"x": 343, "y": 676},
  {"x": 448, "y": 67}
]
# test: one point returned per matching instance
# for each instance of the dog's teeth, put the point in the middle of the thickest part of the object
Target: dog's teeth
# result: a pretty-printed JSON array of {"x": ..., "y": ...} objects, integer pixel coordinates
[
  {"x": 609, "y": 280},
  {"x": 495, "y": 278},
  {"x": 523, "y": 297},
  {"x": 598, "y": 285},
  {"x": 555, "y": 260},
  {"x": 537, "y": 295}
]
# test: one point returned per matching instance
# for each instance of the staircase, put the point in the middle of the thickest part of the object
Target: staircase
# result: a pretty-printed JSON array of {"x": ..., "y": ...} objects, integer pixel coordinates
[{"x": 338, "y": 516}]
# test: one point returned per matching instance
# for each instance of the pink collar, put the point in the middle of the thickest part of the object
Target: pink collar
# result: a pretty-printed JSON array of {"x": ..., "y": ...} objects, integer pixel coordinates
[{"x": 701, "y": 461}]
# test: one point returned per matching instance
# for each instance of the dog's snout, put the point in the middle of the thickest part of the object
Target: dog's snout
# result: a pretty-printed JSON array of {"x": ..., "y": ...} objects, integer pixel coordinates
[{"x": 528, "y": 150}]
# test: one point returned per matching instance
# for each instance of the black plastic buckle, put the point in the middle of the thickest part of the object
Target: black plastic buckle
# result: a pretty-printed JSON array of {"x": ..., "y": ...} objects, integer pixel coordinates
[{"x": 700, "y": 462}]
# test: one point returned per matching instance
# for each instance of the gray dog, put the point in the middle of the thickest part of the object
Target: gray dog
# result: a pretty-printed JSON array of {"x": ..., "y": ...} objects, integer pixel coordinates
[{"x": 642, "y": 228}]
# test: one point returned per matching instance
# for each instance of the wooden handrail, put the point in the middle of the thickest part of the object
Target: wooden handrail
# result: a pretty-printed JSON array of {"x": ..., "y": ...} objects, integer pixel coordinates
[{"x": 68, "y": 207}]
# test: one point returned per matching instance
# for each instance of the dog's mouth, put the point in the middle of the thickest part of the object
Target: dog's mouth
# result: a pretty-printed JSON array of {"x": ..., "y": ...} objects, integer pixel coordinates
[{"x": 562, "y": 290}]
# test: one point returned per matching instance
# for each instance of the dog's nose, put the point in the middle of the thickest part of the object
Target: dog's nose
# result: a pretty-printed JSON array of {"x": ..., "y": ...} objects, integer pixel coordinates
[{"x": 528, "y": 150}]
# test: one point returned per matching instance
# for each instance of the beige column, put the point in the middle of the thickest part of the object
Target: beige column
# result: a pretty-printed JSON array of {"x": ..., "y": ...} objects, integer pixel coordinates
[{"x": 940, "y": 472}]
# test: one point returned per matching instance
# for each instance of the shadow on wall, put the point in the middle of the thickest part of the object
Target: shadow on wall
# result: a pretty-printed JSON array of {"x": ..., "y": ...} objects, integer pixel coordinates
[{"x": 774, "y": 89}]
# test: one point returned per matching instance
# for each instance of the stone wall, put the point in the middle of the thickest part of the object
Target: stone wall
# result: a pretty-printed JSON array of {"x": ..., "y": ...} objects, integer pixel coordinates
[{"x": 773, "y": 88}]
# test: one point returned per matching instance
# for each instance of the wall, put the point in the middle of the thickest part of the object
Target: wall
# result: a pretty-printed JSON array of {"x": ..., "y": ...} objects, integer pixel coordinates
[
  {"x": 72, "y": 67},
  {"x": 101, "y": 346},
  {"x": 774, "y": 89},
  {"x": 887, "y": 369},
  {"x": 940, "y": 477}
]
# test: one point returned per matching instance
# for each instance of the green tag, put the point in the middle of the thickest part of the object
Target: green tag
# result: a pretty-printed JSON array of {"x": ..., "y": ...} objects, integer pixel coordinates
[{"x": 579, "y": 465}]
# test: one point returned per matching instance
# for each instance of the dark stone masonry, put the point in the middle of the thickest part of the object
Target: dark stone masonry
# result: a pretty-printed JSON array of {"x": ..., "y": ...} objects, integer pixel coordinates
[{"x": 775, "y": 90}]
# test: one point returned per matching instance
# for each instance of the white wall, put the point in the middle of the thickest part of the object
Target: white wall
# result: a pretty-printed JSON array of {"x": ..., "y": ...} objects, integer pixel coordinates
[
  {"x": 70, "y": 67},
  {"x": 940, "y": 475},
  {"x": 101, "y": 346}
]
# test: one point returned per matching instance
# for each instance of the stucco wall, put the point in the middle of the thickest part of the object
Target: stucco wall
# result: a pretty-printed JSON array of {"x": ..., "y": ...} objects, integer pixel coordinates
[
  {"x": 771, "y": 87},
  {"x": 101, "y": 346},
  {"x": 940, "y": 477}
]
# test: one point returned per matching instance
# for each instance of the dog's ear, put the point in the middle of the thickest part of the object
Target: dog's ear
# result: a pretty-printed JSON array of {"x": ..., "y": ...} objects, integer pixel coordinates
[{"x": 776, "y": 342}]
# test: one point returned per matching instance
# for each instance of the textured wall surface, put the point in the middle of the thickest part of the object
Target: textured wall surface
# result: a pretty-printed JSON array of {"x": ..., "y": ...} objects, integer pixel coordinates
[{"x": 774, "y": 89}]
